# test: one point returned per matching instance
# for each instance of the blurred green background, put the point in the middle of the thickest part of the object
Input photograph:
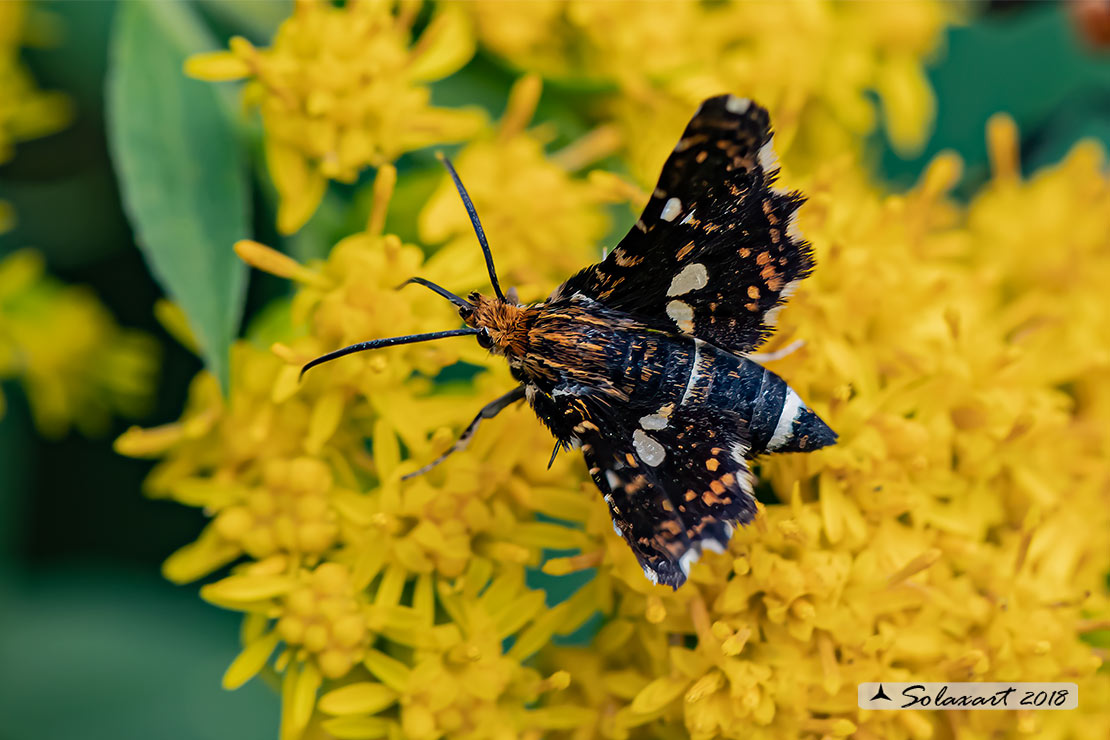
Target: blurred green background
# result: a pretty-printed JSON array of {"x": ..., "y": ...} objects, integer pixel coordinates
[{"x": 93, "y": 642}]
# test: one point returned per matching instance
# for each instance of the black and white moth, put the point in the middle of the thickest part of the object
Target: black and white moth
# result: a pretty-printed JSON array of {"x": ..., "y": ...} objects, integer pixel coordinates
[{"x": 641, "y": 360}]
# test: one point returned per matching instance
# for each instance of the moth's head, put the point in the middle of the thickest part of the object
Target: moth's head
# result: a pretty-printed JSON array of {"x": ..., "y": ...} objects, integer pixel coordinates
[{"x": 500, "y": 324}]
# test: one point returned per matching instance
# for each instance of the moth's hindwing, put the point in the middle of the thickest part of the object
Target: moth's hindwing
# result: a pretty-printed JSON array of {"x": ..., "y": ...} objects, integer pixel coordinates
[
  {"x": 715, "y": 252},
  {"x": 676, "y": 481}
]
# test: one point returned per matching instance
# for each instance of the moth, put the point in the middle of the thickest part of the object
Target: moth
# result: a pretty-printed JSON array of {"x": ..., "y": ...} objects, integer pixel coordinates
[{"x": 642, "y": 360}]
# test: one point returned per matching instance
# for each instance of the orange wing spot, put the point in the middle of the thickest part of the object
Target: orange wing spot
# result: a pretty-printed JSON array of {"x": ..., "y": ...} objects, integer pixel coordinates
[
  {"x": 728, "y": 479},
  {"x": 717, "y": 487},
  {"x": 753, "y": 292},
  {"x": 702, "y": 156},
  {"x": 715, "y": 451},
  {"x": 625, "y": 260},
  {"x": 709, "y": 498},
  {"x": 681, "y": 254},
  {"x": 631, "y": 459},
  {"x": 763, "y": 258},
  {"x": 774, "y": 284},
  {"x": 768, "y": 272},
  {"x": 753, "y": 307},
  {"x": 690, "y": 495},
  {"x": 710, "y": 228},
  {"x": 776, "y": 236},
  {"x": 745, "y": 252},
  {"x": 640, "y": 482},
  {"x": 667, "y": 505},
  {"x": 769, "y": 211},
  {"x": 712, "y": 464}
]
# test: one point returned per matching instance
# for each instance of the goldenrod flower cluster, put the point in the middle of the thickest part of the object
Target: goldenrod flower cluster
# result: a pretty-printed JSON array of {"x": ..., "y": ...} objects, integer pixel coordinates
[
  {"x": 77, "y": 365},
  {"x": 25, "y": 111},
  {"x": 958, "y": 531},
  {"x": 342, "y": 89},
  {"x": 812, "y": 64}
]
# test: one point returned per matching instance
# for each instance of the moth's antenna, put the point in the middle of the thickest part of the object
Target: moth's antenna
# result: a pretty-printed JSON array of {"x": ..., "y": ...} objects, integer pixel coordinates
[
  {"x": 388, "y": 342},
  {"x": 477, "y": 226},
  {"x": 460, "y": 302}
]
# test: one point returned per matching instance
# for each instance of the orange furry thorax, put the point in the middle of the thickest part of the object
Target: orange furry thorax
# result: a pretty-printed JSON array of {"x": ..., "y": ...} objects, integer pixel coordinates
[{"x": 507, "y": 323}]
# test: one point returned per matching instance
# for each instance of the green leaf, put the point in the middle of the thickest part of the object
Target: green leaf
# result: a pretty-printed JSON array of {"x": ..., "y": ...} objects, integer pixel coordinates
[{"x": 182, "y": 172}]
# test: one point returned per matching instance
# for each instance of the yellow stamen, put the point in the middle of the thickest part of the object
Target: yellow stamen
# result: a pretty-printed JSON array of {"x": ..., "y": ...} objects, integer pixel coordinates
[
  {"x": 523, "y": 99},
  {"x": 1002, "y": 146},
  {"x": 915, "y": 566},
  {"x": 274, "y": 262},
  {"x": 384, "y": 184}
]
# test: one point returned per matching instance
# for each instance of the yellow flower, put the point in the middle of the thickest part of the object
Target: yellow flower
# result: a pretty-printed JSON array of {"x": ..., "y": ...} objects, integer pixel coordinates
[
  {"x": 77, "y": 366},
  {"x": 383, "y": 592},
  {"x": 811, "y": 64},
  {"x": 25, "y": 112},
  {"x": 340, "y": 90}
]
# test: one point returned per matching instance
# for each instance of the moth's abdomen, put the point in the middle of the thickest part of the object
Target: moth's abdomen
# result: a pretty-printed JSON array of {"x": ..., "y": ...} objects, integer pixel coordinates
[{"x": 779, "y": 421}]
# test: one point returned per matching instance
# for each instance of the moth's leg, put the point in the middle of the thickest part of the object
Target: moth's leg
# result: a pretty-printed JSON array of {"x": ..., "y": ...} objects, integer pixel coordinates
[
  {"x": 489, "y": 411},
  {"x": 765, "y": 357},
  {"x": 554, "y": 453}
]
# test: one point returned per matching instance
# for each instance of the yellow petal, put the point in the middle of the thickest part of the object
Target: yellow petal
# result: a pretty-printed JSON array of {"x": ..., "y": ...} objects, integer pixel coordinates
[
  {"x": 216, "y": 66},
  {"x": 198, "y": 559},
  {"x": 445, "y": 46},
  {"x": 152, "y": 442},
  {"x": 358, "y": 698},
  {"x": 176, "y": 323},
  {"x": 659, "y": 693},
  {"x": 360, "y": 728},
  {"x": 249, "y": 662},
  {"x": 236, "y": 590},
  {"x": 390, "y": 671}
]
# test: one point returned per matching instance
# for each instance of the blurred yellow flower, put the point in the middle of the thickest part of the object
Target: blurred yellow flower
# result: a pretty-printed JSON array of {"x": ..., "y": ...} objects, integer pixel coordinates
[
  {"x": 342, "y": 89},
  {"x": 25, "y": 111},
  {"x": 812, "y": 64},
  {"x": 77, "y": 366}
]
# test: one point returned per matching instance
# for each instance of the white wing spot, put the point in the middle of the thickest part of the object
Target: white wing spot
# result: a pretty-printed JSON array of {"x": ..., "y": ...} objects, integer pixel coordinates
[
  {"x": 648, "y": 449},
  {"x": 771, "y": 318},
  {"x": 653, "y": 421},
  {"x": 689, "y": 557},
  {"x": 736, "y": 105},
  {"x": 792, "y": 226},
  {"x": 682, "y": 315},
  {"x": 672, "y": 208},
  {"x": 740, "y": 452},
  {"x": 689, "y": 216},
  {"x": 694, "y": 374},
  {"x": 691, "y": 278},
  {"x": 768, "y": 160},
  {"x": 713, "y": 546},
  {"x": 651, "y": 574},
  {"x": 784, "y": 430}
]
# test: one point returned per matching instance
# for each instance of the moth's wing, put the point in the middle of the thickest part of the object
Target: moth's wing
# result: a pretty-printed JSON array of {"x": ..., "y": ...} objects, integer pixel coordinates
[
  {"x": 715, "y": 252},
  {"x": 674, "y": 490}
]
